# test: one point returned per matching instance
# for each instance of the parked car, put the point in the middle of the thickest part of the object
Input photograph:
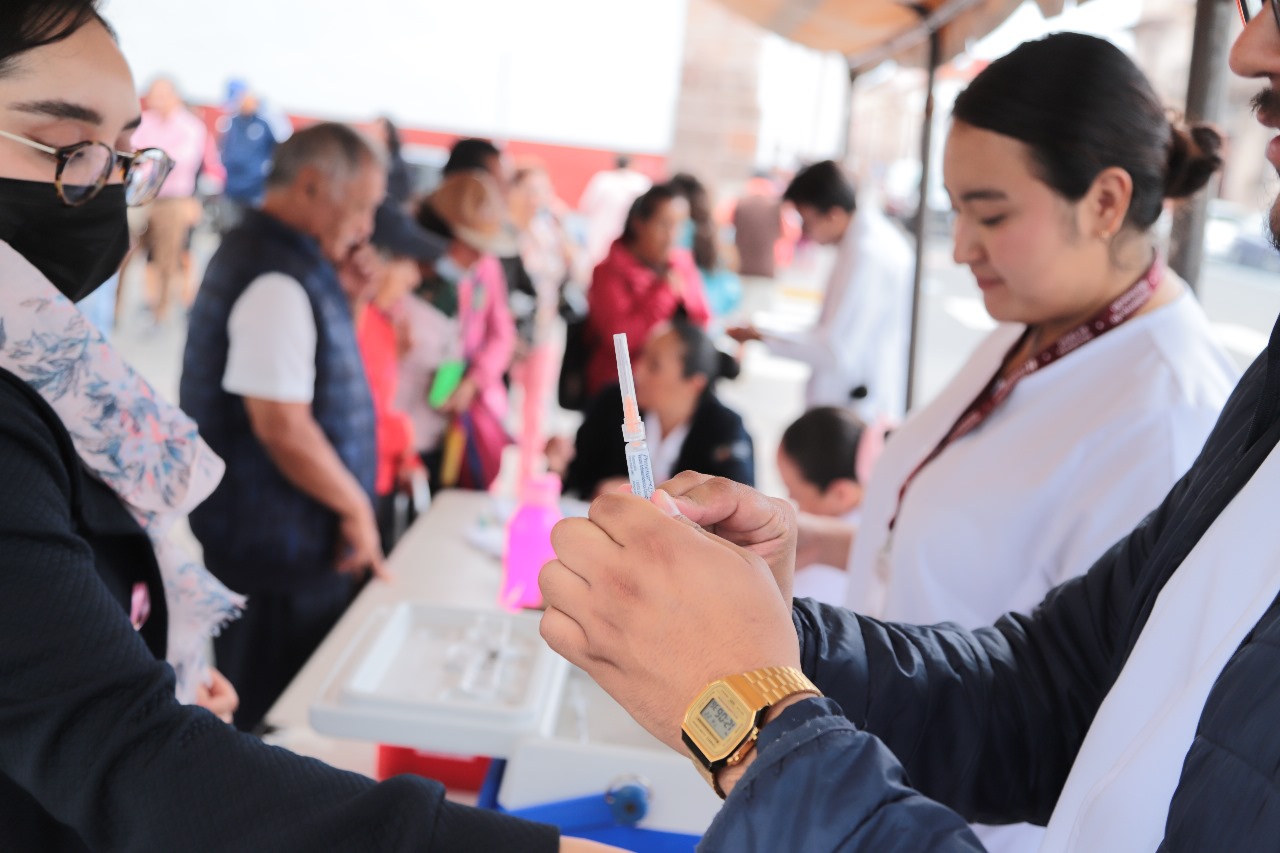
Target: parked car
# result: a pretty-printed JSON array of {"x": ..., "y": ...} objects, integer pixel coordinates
[{"x": 1240, "y": 236}]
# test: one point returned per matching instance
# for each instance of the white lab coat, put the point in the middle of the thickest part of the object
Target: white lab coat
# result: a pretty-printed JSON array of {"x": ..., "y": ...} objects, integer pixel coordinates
[
  {"x": 1118, "y": 794},
  {"x": 862, "y": 336},
  {"x": 1074, "y": 458},
  {"x": 605, "y": 204}
]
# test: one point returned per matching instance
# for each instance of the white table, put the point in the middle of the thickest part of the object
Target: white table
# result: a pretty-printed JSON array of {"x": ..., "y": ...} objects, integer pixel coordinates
[{"x": 432, "y": 563}]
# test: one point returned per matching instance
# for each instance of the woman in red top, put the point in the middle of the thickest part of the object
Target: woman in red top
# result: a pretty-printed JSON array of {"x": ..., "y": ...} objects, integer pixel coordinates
[{"x": 641, "y": 282}]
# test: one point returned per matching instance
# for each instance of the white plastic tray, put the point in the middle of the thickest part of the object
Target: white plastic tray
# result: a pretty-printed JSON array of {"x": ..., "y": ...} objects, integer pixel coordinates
[{"x": 466, "y": 682}]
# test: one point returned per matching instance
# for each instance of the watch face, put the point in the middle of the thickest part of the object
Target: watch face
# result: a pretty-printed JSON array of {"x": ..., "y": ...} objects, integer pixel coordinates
[
  {"x": 718, "y": 718},
  {"x": 718, "y": 722}
]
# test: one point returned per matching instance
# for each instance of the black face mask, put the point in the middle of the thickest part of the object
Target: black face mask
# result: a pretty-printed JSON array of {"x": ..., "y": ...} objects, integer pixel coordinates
[{"x": 77, "y": 248}]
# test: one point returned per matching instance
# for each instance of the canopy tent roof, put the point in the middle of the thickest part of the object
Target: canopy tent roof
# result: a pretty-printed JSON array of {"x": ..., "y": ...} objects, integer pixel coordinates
[{"x": 870, "y": 31}]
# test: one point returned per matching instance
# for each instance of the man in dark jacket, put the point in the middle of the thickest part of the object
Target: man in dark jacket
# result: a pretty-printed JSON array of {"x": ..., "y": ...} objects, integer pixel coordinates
[
  {"x": 246, "y": 147},
  {"x": 1135, "y": 708}
]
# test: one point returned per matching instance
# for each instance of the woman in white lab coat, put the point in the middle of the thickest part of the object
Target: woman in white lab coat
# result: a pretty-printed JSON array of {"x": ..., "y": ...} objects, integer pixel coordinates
[
  {"x": 1075, "y": 416},
  {"x": 857, "y": 349}
]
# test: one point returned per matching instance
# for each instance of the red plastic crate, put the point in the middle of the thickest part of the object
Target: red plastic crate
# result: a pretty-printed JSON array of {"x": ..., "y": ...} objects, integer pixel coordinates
[{"x": 459, "y": 772}]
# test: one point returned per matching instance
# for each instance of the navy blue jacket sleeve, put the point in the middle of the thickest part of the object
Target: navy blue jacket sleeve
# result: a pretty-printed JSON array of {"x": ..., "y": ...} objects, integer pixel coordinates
[
  {"x": 90, "y": 729},
  {"x": 925, "y": 728},
  {"x": 985, "y": 723},
  {"x": 818, "y": 784},
  {"x": 989, "y": 722},
  {"x": 928, "y": 727}
]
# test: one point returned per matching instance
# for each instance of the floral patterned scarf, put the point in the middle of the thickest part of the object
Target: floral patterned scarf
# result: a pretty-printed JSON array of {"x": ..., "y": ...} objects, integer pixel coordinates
[{"x": 145, "y": 449}]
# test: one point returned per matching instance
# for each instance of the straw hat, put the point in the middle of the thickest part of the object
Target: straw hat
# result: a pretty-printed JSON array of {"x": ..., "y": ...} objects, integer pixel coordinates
[{"x": 471, "y": 205}]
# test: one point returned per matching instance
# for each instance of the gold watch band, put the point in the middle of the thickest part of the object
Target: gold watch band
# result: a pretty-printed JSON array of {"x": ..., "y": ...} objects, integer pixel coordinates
[{"x": 760, "y": 689}]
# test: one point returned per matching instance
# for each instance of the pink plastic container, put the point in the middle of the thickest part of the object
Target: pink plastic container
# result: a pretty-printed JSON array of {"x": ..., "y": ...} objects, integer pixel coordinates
[
  {"x": 529, "y": 543},
  {"x": 536, "y": 378}
]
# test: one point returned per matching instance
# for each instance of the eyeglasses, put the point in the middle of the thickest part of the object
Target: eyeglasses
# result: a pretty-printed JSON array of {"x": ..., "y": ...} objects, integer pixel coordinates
[
  {"x": 1249, "y": 9},
  {"x": 84, "y": 168}
]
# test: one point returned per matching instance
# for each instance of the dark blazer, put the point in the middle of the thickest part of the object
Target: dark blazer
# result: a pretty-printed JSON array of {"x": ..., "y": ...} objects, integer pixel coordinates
[
  {"x": 717, "y": 444},
  {"x": 95, "y": 751},
  {"x": 927, "y": 727}
]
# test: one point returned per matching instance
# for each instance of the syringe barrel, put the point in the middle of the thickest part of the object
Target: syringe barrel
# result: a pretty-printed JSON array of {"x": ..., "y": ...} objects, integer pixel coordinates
[{"x": 640, "y": 469}]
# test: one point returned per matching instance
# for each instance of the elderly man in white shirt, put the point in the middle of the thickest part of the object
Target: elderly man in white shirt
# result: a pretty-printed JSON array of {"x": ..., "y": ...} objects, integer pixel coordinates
[{"x": 272, "y": 373}]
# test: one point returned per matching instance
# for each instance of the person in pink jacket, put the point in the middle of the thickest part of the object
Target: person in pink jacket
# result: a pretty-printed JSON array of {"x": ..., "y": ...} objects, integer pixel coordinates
[
  {"x": 488, "y": 334},
  {"x": 641, "y": 283},
  {"x": 468, "y": 294}
]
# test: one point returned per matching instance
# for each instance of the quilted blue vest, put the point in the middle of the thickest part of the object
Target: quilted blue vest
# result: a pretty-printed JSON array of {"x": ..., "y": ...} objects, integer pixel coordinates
[{"x": 259, "y": 532}]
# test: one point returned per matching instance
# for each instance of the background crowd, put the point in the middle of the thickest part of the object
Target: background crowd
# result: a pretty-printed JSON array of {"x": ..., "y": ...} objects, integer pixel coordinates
[
  {"x": 458, "y": 289},
  {"x": 358, "y": 340},
  {"x": 464, "y": 290}
]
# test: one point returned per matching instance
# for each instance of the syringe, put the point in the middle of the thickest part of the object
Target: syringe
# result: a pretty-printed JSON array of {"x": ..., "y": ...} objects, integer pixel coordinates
[{"x": 639, "y": 468}]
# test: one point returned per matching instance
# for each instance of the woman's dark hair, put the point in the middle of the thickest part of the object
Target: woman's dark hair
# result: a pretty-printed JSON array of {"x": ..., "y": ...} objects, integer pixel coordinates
[
  {"x": 1081, "y": 106},
  {"x": 704, "y": 228},
  {"x": 823, "y": 444},
  {"x": 28, "y": 24},
  {"x": 470, "y": 155},
  {"x": 394, "y": 142},
  {"x": 701, "y": 356},
  {"x": 644, "y": 208},
  {"x": 822, "y": 186}
]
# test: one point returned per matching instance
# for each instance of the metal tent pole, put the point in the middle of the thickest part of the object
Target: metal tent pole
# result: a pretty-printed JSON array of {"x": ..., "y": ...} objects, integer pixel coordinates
[
  {"x": 846, "y": 129},
  {"x": 1206, "y": 99},
  {"x": 922, "y": 206}
]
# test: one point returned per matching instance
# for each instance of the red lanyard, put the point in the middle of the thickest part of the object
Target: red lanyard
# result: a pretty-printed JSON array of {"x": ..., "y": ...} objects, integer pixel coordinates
[{"x": 998, "y": 390}]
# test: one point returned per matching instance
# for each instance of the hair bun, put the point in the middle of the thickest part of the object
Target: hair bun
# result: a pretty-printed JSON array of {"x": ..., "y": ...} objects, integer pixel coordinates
[{"x": 1194, "y": 155}]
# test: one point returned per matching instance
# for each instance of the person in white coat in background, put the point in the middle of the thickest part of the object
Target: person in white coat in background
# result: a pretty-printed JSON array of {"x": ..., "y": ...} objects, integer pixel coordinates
[
  {"x": 605, "y": 203},
  {"x": 858, "y": 348}
]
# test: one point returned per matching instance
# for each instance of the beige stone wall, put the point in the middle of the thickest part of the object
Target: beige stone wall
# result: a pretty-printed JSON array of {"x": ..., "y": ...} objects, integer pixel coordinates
[
  {"x": 718, "y": 113},
  {"x": 886, "y": 121},
  {"x": 886, "y": 115}
]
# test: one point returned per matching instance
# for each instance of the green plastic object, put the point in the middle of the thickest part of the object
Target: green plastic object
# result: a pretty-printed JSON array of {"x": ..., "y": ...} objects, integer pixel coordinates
[{"x": 448, "y": 377}]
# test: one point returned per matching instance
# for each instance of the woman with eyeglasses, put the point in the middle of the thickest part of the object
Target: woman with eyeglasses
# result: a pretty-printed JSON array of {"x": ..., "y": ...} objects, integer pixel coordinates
[{"x": 104, "y": 621}]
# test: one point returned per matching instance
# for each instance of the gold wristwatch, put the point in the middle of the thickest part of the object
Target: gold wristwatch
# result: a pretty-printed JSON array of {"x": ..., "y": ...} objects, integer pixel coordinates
[{"x": 722, "y": 724}]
